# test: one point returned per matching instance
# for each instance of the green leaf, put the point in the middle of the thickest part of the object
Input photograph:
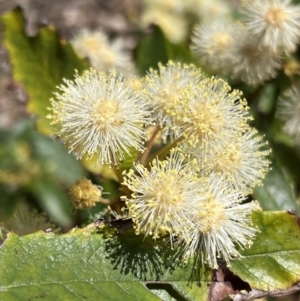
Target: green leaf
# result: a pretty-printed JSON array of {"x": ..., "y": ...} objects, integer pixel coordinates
[
  {"x": 151, "y": 50},
  {"x": 129, "y": 160},
  {"x": 39, "y": 63},
  {"x": 276, "y": 192},
  {"x": 83, "y": 265},
  {"x": 179, "y": 52},
  {"x": 288, "y": 157},
  {"x": 267, "y": 99},
  {"x": 273, "y": 261},
  {"x": 33, "y": 163},
  {"x": 55, "y": 159},
  {"x": 155, "y": 49},
  {"x": 53, "y": 200}
]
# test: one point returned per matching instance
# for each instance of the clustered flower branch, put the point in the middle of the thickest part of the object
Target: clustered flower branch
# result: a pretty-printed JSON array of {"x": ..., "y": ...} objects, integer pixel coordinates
[{"x": 196, "y": 195}]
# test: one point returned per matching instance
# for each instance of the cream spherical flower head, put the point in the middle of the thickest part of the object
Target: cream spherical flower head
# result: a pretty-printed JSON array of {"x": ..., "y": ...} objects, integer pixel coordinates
[
  {"x": 100, "y": 114},
  {"x": 161, "y": 196},
  {"x": 252, "y": 65},
  {"x": 115, "y": 56},
  {"x": 87, "y": 42},
  {"x": 102, "y": 53},
  {"x": 241, "y": 163},
  {"x": 162, "y": 88},
  {"x": 274, "y": 23},
  {"x": 289, "y": 111},
  {"x": 173, "y": 25},
  {"x": 208, "y": 113},
  {"x": 215, "y": 42},
  {"x": 220, "y": 223}
]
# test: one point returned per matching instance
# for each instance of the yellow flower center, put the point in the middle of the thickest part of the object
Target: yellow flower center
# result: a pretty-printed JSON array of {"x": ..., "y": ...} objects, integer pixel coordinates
[
  {"x": 92, "y": 44},
  {"x": 222, "y": 41},
  {"x": 228, "y": 162},
  {"x": 212, "y": 215},
  {"x": 276, "y": 16},
  {"x": 208, "y": 119},
  {"x": 168, "y": 190},
  {"x": 168, "y": 97},
  {"x": 107, "y": 113}
]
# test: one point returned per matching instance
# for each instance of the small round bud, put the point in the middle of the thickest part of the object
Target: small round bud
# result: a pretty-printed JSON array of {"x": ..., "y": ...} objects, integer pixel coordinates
[{"x": 84, "y": 194}]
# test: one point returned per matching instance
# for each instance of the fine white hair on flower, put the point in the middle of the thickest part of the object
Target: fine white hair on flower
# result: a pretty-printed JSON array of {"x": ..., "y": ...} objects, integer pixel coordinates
[
  {"x": 275, "y": 24},
  {"x": 242, "y": 162},
  {"x": 102, "y": 53},
  {"x": 100, "y": 114},
  {"x": 162, "y": 88},
  {"x": 219, "y": 223},
  {"x": 214, "y": 41},
  {"x": 289, "y": 111},
  {"x": 161, "y": 196},
  {"x": 209, "y": 113}
]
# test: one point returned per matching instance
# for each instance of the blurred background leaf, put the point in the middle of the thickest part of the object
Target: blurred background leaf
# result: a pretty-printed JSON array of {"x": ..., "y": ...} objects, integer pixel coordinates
[
  {"x": 37, "y": 170},
  {"x": 277, "y": 191},
  {"x": 39, "y": 63},
  {"x": 154, "y": 48}
]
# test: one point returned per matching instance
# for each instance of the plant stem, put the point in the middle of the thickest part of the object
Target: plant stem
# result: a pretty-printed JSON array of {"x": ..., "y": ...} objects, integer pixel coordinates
[
  {"x": 104, "y": 201},
  {"x": 149, "y": 145},
  {"x": 118, "y": 173}
]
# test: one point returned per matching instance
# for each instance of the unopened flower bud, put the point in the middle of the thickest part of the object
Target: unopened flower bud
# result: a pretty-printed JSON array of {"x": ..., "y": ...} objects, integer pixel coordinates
[{"x": 84, "y": 194}]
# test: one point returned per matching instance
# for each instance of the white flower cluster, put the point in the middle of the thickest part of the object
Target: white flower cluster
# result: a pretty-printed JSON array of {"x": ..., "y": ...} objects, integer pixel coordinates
[
  {"x": 211, "y": 120},
  {"x": 199, "y": 214},
  {"x": 102, "y": 53},
  {"x": 251, "y": 48},
  {"x": 196, "y": 195}
]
